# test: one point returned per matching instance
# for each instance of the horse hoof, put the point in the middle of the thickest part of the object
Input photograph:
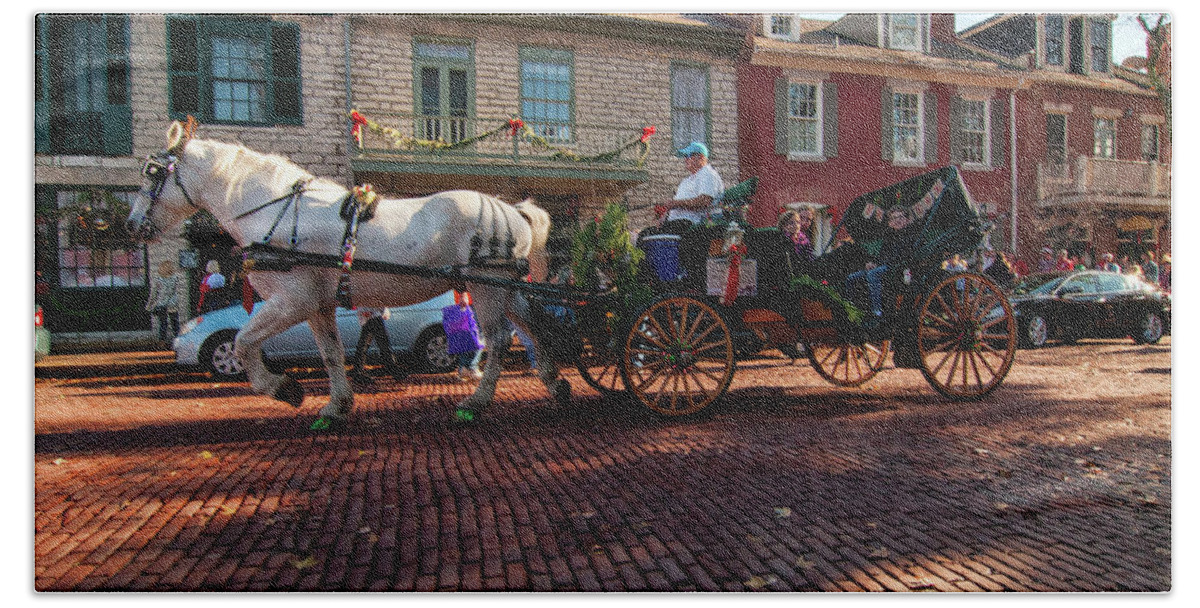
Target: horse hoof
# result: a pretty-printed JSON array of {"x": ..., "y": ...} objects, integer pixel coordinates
[
  {"x": 328, "y": 423},
  {"x": 290, "y": 392},
  {"x": 562, "y": 392},
  {"x": 465, "y": 415}
]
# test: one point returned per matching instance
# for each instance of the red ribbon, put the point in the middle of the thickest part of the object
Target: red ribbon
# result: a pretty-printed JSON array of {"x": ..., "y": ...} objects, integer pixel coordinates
[
  {"x": 647, "y": 132},
  {"x": 735, "y": 274},
  {"x": 247, "y": 295},
  {"x": 515, "y": 125},
  {"x": 357, "y": 120}
]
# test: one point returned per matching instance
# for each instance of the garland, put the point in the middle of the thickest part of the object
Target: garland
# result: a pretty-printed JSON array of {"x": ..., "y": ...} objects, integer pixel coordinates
[
  {"x": 514, "y": 127},
  {"x": 853, "y": 314}
]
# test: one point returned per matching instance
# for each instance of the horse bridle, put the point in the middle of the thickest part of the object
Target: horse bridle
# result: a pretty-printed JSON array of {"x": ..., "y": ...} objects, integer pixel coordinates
[{"x": 158, "y": 168}]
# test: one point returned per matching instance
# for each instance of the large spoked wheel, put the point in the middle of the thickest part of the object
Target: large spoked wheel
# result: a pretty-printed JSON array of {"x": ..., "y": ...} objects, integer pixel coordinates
[
  {"x": 600, "y": 367},
  {"x": 966, "y": 336},
  {"x": 678, "y": 357},
  {"x": 847, "y": 364}
]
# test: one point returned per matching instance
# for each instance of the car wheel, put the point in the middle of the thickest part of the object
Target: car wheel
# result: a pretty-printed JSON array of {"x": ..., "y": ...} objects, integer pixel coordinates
[
  {"x": 218, "y": 356},
  {"x": 430, "y": 351},
  {"x": 1150, "y": 330},
  {"x": 1037, "y": 332}
]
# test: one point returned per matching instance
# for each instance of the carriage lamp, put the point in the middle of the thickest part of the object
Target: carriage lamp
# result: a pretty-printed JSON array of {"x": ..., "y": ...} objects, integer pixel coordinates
[{"x": 734, "y": 236}]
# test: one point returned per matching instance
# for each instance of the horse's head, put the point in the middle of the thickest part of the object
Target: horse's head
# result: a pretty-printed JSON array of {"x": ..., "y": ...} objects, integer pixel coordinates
[{"x": 164, "y": 200}]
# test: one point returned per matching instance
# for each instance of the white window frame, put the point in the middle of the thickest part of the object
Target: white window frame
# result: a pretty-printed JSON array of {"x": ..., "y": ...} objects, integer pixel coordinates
[
  {"x": 893, "y": 28},
  {"x": 1157, "y": 141},
  {"x": 818, "y": 119},
  {"x": 769, "y": 22},
  {"x": 985, "y": 151},
  {"x": 898, "y": 158},
  {"x": 1098, "y": 148}
]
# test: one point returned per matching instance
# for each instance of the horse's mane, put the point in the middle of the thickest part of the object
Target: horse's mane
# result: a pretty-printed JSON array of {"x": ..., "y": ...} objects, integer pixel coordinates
[{"x": 239, "y": 164}]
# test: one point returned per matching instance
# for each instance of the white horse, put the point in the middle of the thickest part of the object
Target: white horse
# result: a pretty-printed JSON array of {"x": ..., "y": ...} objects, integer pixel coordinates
[{"x": 264, "y": 198}]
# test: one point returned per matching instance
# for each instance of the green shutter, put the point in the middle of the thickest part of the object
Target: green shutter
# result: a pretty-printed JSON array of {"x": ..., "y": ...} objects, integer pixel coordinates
[
  {"x": 830, "y": 103},
  {"x": 931, "y": 130},
  {"x": 999, "y": 131},
  {"x": 781, "y": 116},
  {"x": 118, "y": 113},
  {"x": 183, "y": 68},
  {"x": 885, "y": 125},
  {"x": 41, "y": 96},
  {"x": 956, "y": 133},
  {"x": 285, "y": 74}
]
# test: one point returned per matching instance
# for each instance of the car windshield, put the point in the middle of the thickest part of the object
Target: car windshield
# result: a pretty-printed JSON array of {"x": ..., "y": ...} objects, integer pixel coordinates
[{"x": 1038, "y": 284}]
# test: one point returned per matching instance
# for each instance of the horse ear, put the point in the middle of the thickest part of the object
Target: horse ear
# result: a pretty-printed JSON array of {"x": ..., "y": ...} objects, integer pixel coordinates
[{"x": 178, "y": 136}]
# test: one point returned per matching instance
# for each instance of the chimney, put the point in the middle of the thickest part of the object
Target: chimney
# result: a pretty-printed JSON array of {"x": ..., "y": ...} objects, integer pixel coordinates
[{"x": 941, "y": 27}]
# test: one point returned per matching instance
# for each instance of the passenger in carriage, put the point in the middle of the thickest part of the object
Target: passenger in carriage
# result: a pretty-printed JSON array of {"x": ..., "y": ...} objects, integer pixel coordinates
[
  {"x": 896, "y": 246},
  {"x": 796, "y": 226}
]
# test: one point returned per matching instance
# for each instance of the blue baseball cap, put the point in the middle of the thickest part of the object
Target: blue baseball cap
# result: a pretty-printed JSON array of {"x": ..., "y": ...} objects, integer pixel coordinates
[{"x": 693, "y": 148}]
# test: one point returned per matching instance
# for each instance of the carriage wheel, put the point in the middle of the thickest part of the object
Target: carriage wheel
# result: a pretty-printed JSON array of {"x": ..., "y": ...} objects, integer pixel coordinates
[
  {"x": 600, "y": 367},
  {"x": 966, "y": 336},
  {"x": 678, "y": 357},
  {"x": 847, "y": 364}
]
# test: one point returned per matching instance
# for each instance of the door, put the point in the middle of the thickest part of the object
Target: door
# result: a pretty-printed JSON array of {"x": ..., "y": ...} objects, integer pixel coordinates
[
  {"x": 1078, "y": 314},
  {"x": 443, "y": 90}
]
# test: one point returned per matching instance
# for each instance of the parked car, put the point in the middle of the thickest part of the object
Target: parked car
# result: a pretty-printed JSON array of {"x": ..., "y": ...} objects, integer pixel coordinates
[
  {"x": 1089, "y": 304},
  {"x": 415, "y": 333},
  {"x": 41, "y": 335}
]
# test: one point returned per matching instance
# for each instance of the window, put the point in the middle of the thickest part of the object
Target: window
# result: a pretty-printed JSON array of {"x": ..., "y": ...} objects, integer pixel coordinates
[
  {"x": 1149, "y": 142},
  {"x": 904, "y": 31},
  {"x": 781, "y": 26},
  {"x": 1105, "y": 142},
  {"x": 548, "y": 92},
  {"x": 1101, "y": 43},
  {"x": 234, "y": 70},
  {"x": 1056, "y": 139},
  {"x": 93, "y": 249},
  {"x": 907, "y": 145},
  {"x": 974, "y": 132},
  {"x": 81, "y": 80},
  {"x": 804, "y": 119},
  {"x": 1055, "y": 25},
  {"x": 689, "y": 104},
  {"x": 443, "y": 80}
]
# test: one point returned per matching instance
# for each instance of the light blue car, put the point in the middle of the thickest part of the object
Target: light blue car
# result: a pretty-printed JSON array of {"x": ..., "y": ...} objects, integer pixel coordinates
[{"x": 415, "y": 333}]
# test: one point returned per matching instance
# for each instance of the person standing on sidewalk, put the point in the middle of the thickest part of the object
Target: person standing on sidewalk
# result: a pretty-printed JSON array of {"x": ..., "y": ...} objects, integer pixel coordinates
[
  {"x": 164, "y": 300},
  {"x": 370, "y": 321},
  {"x": 462, "y": 336}
]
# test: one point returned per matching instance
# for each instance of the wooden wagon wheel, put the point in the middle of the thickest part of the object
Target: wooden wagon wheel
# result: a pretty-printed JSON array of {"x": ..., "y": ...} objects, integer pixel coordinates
[
  {"x": 600, "y": 366},
  {"x": 678, "y": 356},
  {"x": 846, "y": 364},
  {"x": 966, "y": 336}
]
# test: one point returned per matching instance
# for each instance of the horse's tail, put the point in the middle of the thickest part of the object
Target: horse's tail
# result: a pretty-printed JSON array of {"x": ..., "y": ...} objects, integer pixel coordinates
[{"x": 539, "y": 222}]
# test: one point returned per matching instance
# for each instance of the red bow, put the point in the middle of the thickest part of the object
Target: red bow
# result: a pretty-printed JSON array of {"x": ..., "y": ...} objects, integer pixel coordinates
[
  {"x": 647, "y": 132},
  {"x": 735, "y": 274},
  {"x": 514, "y": 125},
  {"x": 357, "y": 120}
]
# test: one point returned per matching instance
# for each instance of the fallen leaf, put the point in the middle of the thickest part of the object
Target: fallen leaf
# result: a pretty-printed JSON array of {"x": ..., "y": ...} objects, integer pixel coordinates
[
  {"x": 228, "y": 510},
  {"x": 364, "y": 530},
  {"x": 783, "y": 512},
  {"x": 59, "y": 461},
  {"x": 758, "y": 582},
  {"x": 804, "y": 563},
  {"x": 206, "y": 454},
  {"x": 879, "y": 552},
  {"x": 307, "y": 562}
]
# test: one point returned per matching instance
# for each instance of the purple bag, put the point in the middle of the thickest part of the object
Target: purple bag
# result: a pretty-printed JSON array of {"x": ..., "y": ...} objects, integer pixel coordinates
[{"x": 462, "y": 334}]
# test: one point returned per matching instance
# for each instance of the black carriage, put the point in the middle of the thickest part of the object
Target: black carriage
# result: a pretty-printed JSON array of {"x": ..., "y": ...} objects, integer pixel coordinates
[{"x": 676, "y": 354}]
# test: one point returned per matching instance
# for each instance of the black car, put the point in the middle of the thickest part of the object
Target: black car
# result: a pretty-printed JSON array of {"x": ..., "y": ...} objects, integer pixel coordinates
[{"x": 1068, "y": 306}]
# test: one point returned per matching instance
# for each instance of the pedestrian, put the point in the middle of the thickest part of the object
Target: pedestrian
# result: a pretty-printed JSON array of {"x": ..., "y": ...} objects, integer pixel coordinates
[
  {"x": 372, "y": 329},
  {"x": 1123, "y": 262},
  {"x": 462, "y": 336},
  {"x": 527, "y": 343},
  {"x": 1046, "y": 261},
  {"x": 1107, "y": 263},
  {"x": 1019, "y": 267},
  {"x": 1149, "y": 267},
  {"x": 163, "y": 301},
  {"x": 1164, "y": 273},
  {"x": 1064, "y": 263},
  {"x": 212, "y": 282}
]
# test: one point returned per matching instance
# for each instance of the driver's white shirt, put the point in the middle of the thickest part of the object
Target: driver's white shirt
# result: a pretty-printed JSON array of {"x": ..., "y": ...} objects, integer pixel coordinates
[{"x": 704, "y": 181}]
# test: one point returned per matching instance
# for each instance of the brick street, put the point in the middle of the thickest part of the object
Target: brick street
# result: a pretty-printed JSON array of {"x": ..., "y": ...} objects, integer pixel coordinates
[{"x": 149, "y": 478}]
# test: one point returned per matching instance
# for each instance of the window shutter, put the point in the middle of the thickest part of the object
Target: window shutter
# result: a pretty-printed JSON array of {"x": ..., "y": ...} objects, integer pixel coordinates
[
  {"x": 829, "y": 100},
  {"x": 41, "y": 94},
  {"x": 183, "y": 68},
  {"x": 999, "y": 132},
  {"x": 118, "y": 114},
  {"x": 931, "y": 131},
  {"x": 885, "y": 124},
  {"x": 781, "y": 116},
  {"x": 956, "y": 133},
  {"x": 285, "y": 73}
]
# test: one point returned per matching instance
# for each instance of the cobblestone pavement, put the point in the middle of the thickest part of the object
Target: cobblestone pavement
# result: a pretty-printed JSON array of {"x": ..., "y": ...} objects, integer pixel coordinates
[{"x": 149, "y": 478}]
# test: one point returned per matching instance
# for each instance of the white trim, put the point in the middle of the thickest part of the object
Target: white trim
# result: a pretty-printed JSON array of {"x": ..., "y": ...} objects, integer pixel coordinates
[
  {"x": 1057, "y": 108},
  {"x": 1153, "y": 119},
  {"x": 819, "y": 119},
  {"x": 976, "y": 93},
  {"x": 986, "y": 153},
  {"x": 919, "y": 161},
  {"x": 917, "y": 87},
  {"x": 891, "y": 32},
  {"x": 1109, "y": 113}
]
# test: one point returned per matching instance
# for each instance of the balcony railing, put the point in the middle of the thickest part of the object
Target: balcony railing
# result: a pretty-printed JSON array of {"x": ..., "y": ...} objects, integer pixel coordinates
[
  {"x": 1088, "y": 175},
  {"x": 409, "y": 137}
]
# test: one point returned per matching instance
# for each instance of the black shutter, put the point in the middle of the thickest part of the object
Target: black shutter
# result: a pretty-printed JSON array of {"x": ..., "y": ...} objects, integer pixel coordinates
[
  {"x": 183, "y": 68},
  {"x": 956, "y": 132},
  {"x": 931, "y": 130},
  {"x": 117, "y": 122},
  {"x": 781, "y": 116},
  {"x": 285, "y": 73},
  {"x": 999, "y": 132},
  {"x": 830, "y": 100},
  {"x": 41, "y": 95},
  {"x": 886, "y": 125}
]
